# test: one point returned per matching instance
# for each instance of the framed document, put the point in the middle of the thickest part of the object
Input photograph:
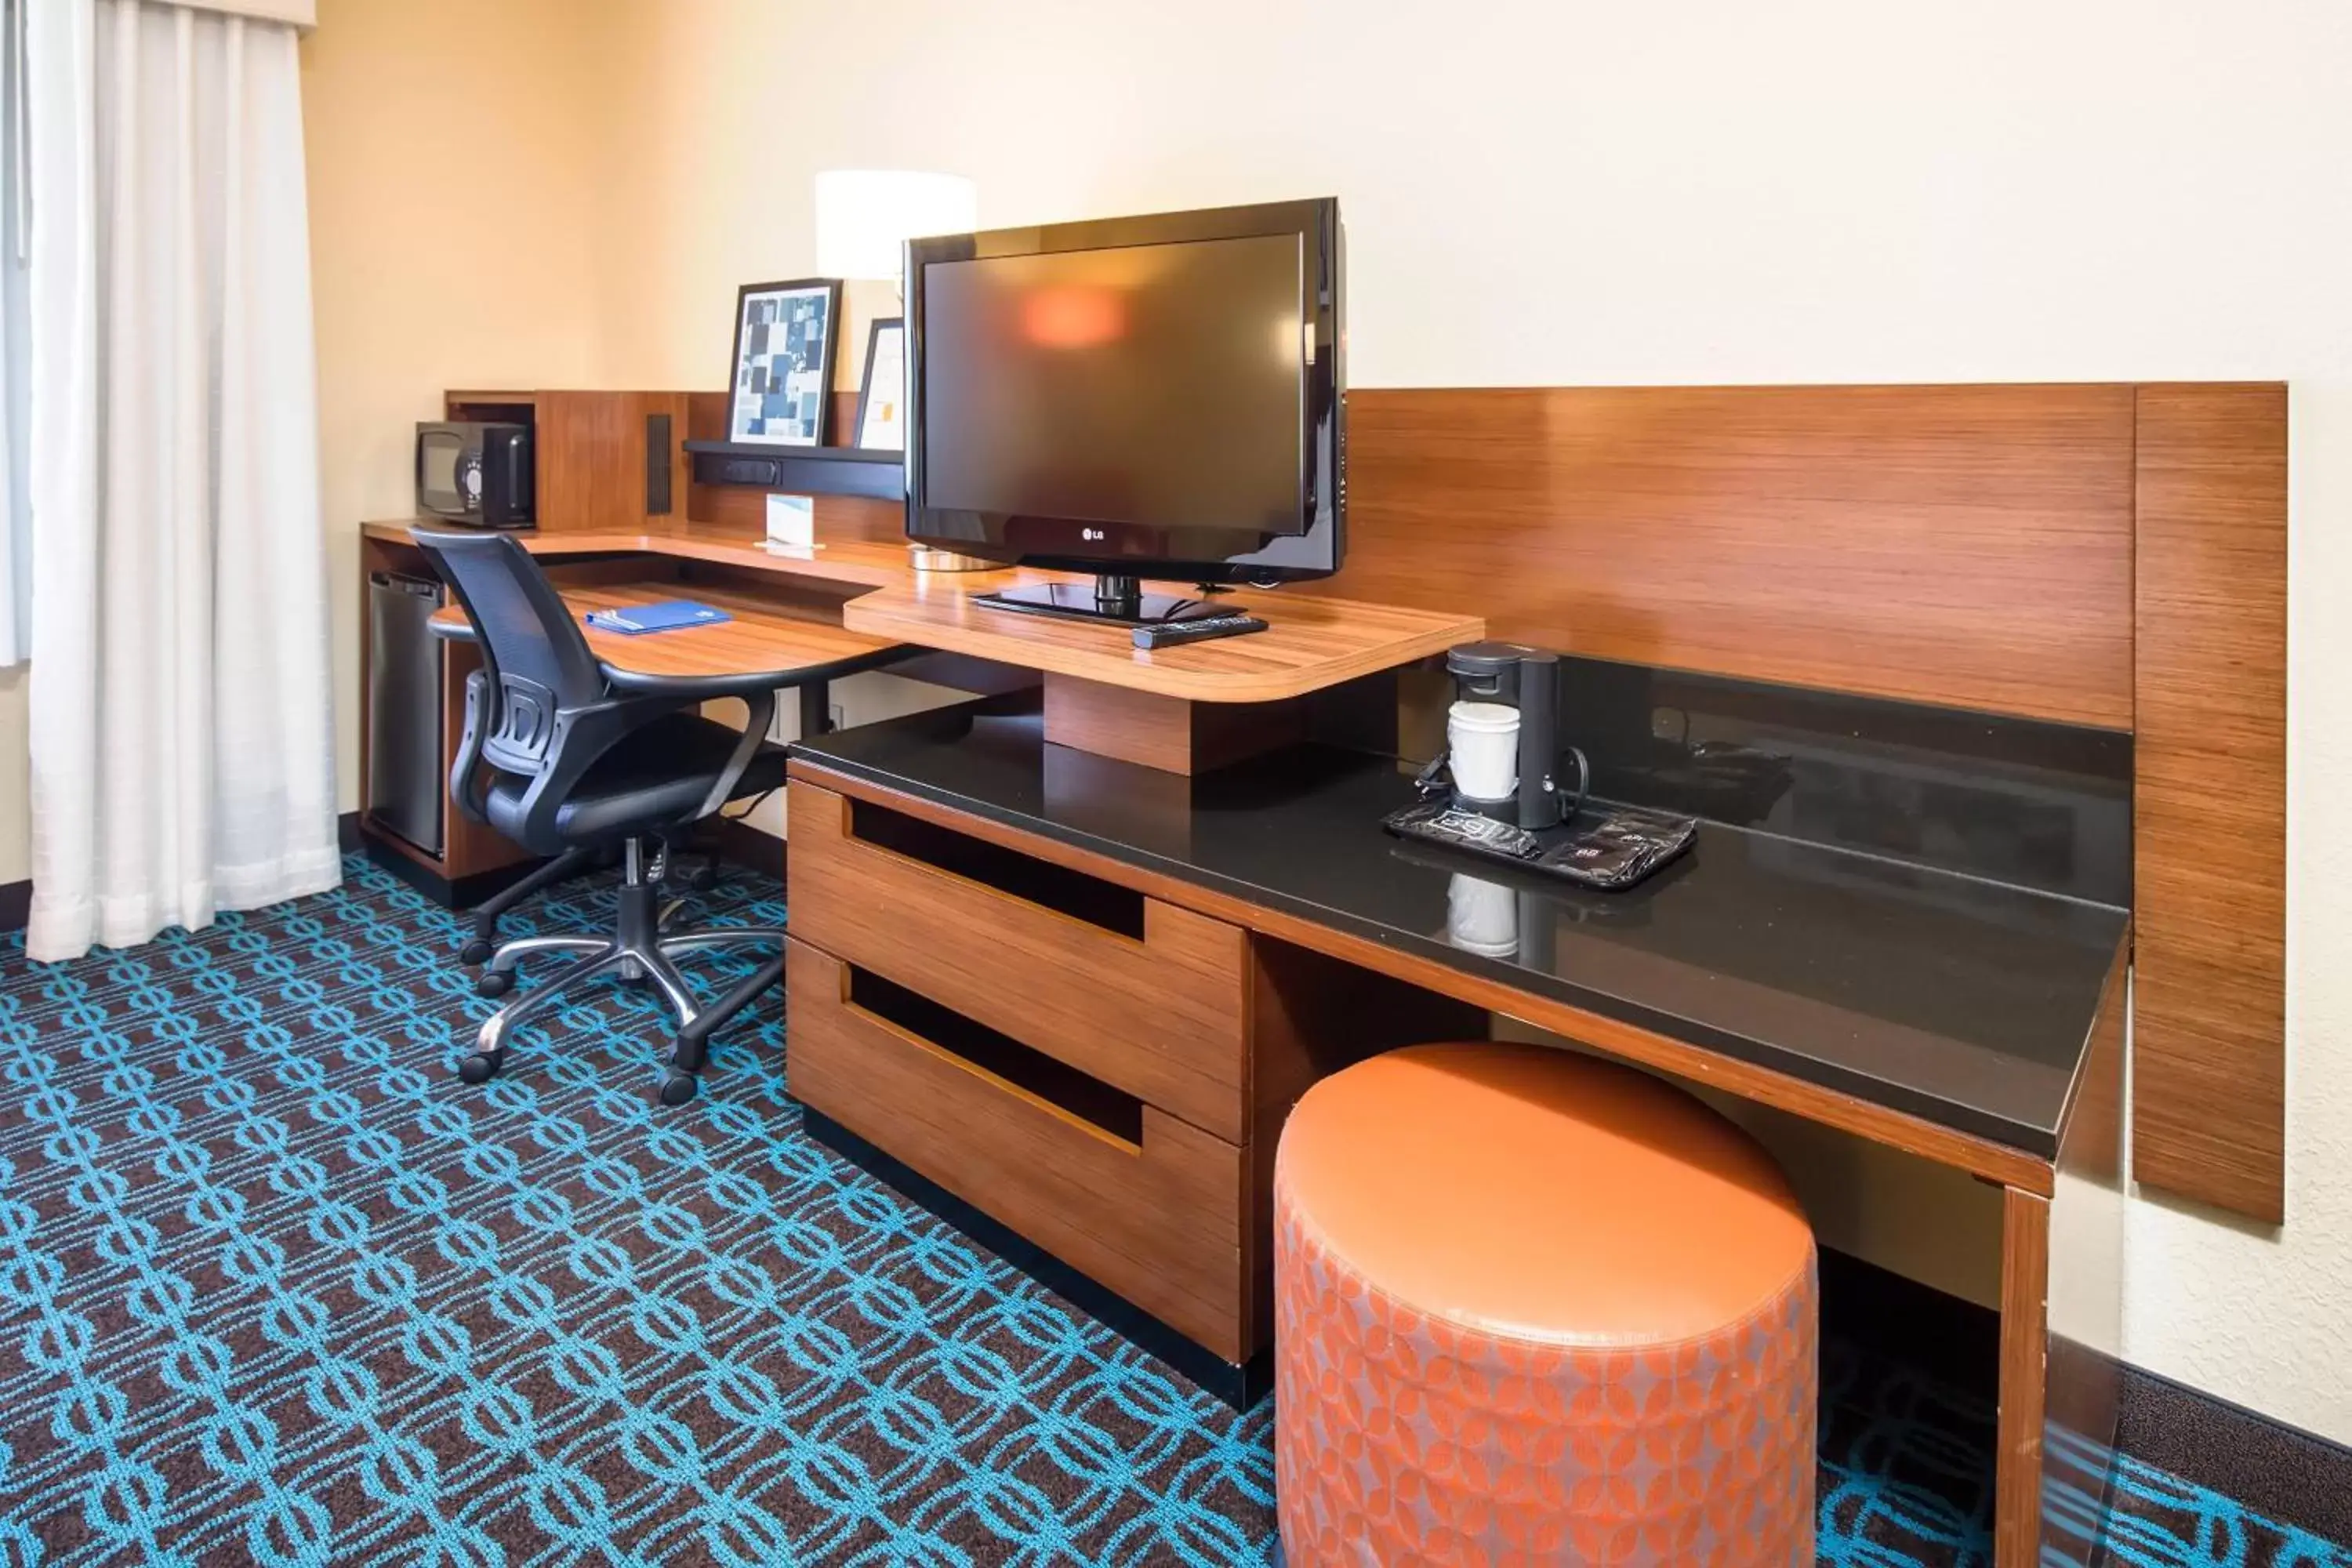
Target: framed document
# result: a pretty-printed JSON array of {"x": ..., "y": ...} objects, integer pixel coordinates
[
  {"x": 882, "y": 395},
  {"x": 782, "y": 389}
]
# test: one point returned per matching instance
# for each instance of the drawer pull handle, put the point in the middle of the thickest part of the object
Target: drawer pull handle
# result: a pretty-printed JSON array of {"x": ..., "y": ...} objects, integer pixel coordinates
[
  {"x": 1080, "y": 1097},
  {"x": 1041, "y": 882}
]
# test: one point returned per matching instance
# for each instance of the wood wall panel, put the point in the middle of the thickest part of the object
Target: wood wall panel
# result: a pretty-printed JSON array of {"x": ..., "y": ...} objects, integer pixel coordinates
[
  {"x": 592, "y": 458},
  {"x": 2106, "y": 554},
  {"x": 2209, "y": 1091},
  {"x": 1964, "y": 545}
]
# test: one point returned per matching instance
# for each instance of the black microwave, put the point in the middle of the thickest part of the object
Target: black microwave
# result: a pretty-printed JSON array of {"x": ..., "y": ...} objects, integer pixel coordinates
[{"x": 475, "y": 472}]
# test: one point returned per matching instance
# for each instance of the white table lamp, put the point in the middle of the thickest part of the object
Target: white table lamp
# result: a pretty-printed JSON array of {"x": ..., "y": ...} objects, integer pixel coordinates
[{"x": 863, "y": 219}]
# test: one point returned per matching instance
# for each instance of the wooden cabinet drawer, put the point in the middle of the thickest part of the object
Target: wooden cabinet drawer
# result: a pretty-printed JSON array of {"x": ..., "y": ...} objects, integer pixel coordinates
[
  {"x": 1141, "y": 994},
  {"x": 1124, "y": 1192}
]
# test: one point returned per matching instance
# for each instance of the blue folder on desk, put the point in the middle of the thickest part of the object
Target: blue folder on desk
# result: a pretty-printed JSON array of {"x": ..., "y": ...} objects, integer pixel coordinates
[{"x": 666, "y": 617}]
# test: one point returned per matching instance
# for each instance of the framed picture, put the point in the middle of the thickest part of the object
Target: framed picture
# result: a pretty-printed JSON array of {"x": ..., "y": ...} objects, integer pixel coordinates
[
  {"x": 882, "y": 394},
  {"x": 782, "y": 389}
]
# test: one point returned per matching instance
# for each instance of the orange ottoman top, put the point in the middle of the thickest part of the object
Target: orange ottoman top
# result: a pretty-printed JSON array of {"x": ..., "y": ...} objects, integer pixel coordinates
[{"x": 1542, "y": 1195}]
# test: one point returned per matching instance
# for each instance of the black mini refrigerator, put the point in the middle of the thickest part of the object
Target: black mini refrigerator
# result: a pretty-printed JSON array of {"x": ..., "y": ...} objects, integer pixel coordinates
[{"x": 407, "y": 793}]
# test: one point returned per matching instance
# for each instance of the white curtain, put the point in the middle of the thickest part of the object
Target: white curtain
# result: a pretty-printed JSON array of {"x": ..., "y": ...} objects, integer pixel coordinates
[
  {"x": 181, "y": 727},
  {"x": 16, "y": 346}
]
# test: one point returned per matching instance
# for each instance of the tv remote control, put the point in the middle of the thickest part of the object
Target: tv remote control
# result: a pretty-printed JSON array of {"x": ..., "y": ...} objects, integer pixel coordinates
[{"x": 1167, "y": 633}]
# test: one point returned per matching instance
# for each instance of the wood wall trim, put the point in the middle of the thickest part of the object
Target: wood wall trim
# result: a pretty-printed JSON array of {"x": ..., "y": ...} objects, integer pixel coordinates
[
  {"x": 2208, "y": 1090},
  {"x": 2084, "y": 1292},
  {"x": 1914, "y": 1135},
  {"x": 1969, "y": 546}
]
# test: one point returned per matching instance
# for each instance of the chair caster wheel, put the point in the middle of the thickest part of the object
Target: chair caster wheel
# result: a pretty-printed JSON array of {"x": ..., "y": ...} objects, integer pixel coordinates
[
  {"x": 494, "y": 983},
  {"x": 478, "y": 951},
  {"x": 702, "y": 881},
  {"x": 478, "y": 1068},
  {"x": 679, "y": 1088}
]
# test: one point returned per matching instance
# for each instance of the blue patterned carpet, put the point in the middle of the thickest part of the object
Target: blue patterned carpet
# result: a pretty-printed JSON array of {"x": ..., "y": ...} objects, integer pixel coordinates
[{"x": 275, "y": 1287}]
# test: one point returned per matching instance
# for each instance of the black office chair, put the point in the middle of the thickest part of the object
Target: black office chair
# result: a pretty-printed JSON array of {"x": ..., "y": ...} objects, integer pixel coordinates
[{"x": 578, "y": 761}]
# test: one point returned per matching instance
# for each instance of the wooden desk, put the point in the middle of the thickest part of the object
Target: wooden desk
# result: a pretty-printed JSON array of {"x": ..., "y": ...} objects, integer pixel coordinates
[
  {"x": 1281, "y": 937},
  {"x": 1312, "y": 643},
  {"x": 764, "y": 645}
]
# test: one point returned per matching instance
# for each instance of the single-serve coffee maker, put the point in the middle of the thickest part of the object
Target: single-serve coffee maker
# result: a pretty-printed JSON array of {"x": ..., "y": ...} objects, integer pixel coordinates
[
  {"x": 1495, "y": 792},
  {"x": 1502, "y": 734}
]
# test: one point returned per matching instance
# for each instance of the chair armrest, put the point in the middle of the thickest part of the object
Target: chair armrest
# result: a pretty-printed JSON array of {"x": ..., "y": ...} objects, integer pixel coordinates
[
  {"x": 761, "y": 712},
  {"x": 465, "y": 772}
]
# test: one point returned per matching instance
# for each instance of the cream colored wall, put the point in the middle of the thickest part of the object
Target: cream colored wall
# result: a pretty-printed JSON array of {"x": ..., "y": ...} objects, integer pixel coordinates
[
  {"x": 452, "y": 161},
  {"x": 1544, "y": 192}
]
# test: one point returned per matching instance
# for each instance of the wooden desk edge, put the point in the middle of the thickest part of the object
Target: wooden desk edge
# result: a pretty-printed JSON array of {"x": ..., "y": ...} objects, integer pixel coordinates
[
  {"x": 1981, "y": 1157},
  {"x": 860, "y": 563},
  {"x": 1115, "y": 667},
  {"x": 2113, "y": 995}
]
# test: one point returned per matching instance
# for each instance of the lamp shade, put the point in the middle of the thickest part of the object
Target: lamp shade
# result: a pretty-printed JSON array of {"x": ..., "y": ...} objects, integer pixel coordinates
[{"x": 863, "y": 216}]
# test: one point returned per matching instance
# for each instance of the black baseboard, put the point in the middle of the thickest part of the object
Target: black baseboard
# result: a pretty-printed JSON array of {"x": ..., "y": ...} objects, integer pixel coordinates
[
  {"x": 1239, "y": 1386},
  {"x": 2282, "y": 1472},
  {"x": 347, "y": 831},
  {"x": 454, "y": 893}
]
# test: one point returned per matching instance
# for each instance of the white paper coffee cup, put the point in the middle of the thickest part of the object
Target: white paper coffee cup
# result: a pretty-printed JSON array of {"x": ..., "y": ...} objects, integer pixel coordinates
[{"x": 1483, "y": 741}]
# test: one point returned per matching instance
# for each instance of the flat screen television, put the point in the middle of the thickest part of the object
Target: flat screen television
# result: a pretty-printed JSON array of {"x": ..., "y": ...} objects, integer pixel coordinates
[{"x": 1154, "y": 398}]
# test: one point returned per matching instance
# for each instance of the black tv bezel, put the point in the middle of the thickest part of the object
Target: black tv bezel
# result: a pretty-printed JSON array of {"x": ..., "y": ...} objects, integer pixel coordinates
[{"x": 1192, "y": 555}]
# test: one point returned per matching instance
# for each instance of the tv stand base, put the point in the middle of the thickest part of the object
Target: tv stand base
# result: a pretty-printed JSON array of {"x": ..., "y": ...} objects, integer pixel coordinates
[
  {"x": 1171, "y": 733},
  {"x": 1119, "y": 599}
]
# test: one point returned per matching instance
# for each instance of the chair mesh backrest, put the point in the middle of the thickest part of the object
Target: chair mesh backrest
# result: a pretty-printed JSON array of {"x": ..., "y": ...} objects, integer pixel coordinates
[{"x": 537, "y": 657}]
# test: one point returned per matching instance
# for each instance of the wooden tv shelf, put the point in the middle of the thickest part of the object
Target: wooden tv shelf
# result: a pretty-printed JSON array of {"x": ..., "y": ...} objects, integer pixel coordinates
[{"x": 1309, "y": 644}]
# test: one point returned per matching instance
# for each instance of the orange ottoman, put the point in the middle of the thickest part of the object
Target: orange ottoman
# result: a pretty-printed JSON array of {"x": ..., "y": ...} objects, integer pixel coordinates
[{"x": 1530, "y": 1307}]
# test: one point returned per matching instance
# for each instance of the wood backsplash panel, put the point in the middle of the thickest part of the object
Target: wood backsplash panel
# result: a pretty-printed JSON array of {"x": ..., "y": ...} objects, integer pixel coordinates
[
  {"x": 746, "y": 506},
  {"x": 592, "y": 458},
  {"x": 2209, "y": 1069},
  {"x": 1965, "y": 545}
]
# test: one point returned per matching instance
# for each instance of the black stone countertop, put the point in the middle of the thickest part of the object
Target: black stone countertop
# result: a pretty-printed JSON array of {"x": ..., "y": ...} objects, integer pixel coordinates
[{"x": 1955, "y": 997}]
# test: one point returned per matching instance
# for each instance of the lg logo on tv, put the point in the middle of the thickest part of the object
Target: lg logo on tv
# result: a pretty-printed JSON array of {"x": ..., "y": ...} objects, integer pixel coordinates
[{"x": 1090, "y": 533}]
